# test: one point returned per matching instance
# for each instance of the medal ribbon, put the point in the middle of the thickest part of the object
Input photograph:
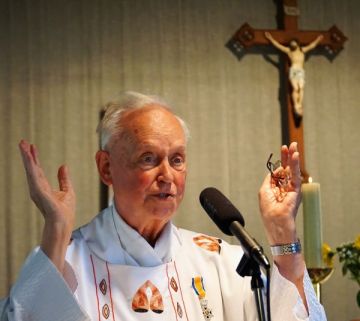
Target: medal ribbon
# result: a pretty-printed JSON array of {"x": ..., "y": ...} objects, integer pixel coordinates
[{"x": 198, "y": 286}]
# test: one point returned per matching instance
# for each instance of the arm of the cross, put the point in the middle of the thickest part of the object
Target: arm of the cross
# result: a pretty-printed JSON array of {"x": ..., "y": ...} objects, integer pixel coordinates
[
  {"x": 247, "y": 37},
  {"x": 312, "y": 44}
]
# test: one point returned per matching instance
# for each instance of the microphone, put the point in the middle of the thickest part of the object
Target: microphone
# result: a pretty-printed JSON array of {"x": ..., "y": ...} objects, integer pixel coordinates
[{"x": 230, "y": 221}]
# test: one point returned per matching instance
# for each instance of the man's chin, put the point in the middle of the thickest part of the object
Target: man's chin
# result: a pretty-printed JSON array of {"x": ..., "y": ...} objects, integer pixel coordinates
[{"x": 164, "y": 212}]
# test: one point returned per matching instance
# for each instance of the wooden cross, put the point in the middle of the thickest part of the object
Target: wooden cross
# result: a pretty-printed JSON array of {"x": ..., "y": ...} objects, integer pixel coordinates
[{"x": 247, "y": 38}]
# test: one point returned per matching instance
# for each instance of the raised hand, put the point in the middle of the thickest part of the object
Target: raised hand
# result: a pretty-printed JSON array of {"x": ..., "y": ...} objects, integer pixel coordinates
[
  {"x": 280, "y": 200},
  {"x": 57, "y": 206},
  {"x": 279, "y": 203}
]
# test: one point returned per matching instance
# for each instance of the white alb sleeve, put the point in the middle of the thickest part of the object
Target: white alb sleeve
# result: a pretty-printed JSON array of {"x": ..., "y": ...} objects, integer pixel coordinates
[
  {"x": 284, "y": 294},
  {"x": 41, "y": 293}
]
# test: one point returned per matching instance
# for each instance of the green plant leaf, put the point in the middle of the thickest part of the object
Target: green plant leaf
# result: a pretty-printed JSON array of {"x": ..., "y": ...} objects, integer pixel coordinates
[{"x": 344, "y": 269}]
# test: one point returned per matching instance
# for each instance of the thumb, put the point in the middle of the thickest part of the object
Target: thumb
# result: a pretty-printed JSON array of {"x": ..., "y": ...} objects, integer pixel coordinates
[
  {"x": 266, "y": 182},
  {"x": 65, "y": 184},
  {"x": 265, "y": 186}
]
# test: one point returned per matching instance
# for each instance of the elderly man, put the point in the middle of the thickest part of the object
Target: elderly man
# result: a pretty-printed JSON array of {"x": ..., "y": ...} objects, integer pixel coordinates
[{"x": 131, "y": 262}]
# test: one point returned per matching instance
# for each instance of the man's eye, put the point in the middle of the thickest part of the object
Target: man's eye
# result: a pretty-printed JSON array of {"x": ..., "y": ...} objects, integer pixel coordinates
[
  {"x": 178, "y": 161},
  {"x": 148, "y": 159}
]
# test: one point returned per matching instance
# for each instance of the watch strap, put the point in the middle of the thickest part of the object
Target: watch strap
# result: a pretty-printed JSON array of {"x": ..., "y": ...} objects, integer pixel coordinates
[{"x": 286, "y": 249}]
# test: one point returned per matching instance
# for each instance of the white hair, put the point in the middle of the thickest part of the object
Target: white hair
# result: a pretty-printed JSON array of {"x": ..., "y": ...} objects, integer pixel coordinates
[{"x": 110, "y": 124}]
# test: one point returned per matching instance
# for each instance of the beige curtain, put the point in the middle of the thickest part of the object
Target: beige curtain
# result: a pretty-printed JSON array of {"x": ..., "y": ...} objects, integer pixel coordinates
[{"x": 61, "y": 60}]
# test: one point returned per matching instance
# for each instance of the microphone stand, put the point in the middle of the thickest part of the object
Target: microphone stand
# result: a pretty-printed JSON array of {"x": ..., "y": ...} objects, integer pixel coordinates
[{"x": 249, "y": 267}]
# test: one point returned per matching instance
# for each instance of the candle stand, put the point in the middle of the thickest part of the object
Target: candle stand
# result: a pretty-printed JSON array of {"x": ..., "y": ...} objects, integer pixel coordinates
[{"x": 319, "y": 276}]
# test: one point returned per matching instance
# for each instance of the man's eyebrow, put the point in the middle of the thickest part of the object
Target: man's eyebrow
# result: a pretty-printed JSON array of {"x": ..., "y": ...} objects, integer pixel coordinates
[
  {"x": 181, "y": 148},
  {"x": 152, "y": 145},
  {"x": 146, "y": 146}
]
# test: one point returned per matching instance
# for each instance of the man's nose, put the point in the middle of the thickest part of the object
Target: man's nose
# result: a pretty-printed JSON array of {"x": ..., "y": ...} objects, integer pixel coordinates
[{"x": 165, "y": 172}]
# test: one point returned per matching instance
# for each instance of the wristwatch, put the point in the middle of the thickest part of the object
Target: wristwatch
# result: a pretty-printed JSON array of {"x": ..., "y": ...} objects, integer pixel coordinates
[{"x": 286, "y": 249}]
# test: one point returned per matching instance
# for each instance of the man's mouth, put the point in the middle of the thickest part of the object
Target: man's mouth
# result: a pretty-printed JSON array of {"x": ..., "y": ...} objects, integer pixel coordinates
[{"x": 164, "y": 195}]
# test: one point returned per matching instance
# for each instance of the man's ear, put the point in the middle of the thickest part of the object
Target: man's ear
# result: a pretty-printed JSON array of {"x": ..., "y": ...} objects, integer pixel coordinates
[{"x": 103, "y": 166}]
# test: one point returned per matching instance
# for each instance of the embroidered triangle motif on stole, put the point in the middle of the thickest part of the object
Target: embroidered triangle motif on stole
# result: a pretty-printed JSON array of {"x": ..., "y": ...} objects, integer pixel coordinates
[{"x": 141, "y": 302}]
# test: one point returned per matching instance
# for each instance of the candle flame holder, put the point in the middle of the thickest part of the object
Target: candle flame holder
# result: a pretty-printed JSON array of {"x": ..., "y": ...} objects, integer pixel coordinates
[{"x": 319, "y": 276}]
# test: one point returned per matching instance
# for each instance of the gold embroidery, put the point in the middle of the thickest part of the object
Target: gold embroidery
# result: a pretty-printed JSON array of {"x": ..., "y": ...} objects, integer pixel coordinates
[{"x": 106, "y": 311}]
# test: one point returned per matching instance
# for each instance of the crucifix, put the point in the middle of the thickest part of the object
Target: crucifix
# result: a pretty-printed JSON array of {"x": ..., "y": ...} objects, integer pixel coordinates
[{"x": 330, "y": 42}]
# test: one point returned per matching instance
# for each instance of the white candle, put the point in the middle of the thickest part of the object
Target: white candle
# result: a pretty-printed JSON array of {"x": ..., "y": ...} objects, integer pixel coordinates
[{"x": 312, "y": 224}]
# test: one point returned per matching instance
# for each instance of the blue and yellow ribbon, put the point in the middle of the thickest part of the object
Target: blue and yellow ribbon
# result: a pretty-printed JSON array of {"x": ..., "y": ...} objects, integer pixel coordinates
[{"x": 198, "y": 286}]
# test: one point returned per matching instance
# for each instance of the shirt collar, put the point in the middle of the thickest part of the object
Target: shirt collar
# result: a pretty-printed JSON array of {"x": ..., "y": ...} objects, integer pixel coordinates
[{"x": 113, "y": 240}]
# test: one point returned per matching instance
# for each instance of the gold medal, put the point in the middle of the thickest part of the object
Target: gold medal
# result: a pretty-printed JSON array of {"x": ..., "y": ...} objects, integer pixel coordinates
[{"x": 198, "y": 286}]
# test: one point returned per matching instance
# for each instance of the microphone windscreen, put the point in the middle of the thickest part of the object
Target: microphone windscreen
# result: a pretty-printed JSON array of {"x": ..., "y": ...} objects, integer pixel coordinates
[{"x": 220, "y": 209}]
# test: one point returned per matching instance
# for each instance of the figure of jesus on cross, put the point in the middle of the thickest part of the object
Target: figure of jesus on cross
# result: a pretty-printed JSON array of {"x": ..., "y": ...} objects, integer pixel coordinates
[
  {"x": 296, "y": 55},
  {"x": 291, "y": 66}
]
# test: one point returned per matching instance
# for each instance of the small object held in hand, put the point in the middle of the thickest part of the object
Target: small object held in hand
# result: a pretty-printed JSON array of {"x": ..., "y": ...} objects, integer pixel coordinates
[{"x": 279, "y": 178}]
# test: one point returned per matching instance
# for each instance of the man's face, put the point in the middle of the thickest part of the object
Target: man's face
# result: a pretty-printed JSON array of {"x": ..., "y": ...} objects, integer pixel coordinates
[
  {"x": 293, "y": 45},
  {"x": 147, "y": 166}
]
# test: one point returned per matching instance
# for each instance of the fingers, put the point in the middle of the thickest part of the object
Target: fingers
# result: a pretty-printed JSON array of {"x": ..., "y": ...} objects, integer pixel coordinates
[
  {"x": 284, "y": 156},
  {"x": 294, "y": 159},
  {"x": 36, "y": 178},
  {"x": 24, "y": 147},
  {"x": 294, "y": 165},
  {"x": 293, "y": 147},
  {"x": 27, "y": 155},
  {"x": 295, "y": 170},
  {"x": 290, "y": 159},
  {"x": 34, "y": 153},
  {"x": 287, "y": 153},
  {"x": 37, "y": 181}
]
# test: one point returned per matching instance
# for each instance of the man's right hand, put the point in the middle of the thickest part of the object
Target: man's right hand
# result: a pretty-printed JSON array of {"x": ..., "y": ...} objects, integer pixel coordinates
[{"x": 57, "y": 206}]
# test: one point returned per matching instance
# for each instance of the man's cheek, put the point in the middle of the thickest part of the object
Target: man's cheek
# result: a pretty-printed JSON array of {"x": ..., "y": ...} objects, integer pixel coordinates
[
  {"x": 144, "y": 181},
  {"x": 181, "y": 184}
]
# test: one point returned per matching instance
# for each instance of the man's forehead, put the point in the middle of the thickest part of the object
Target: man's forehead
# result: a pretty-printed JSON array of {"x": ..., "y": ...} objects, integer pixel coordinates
[
  {"x": 149, "y": 111},
  {"x": 147, "y": 125},
  {"x": 150, "y": 118},
  {"x": 177, "y": 145}
]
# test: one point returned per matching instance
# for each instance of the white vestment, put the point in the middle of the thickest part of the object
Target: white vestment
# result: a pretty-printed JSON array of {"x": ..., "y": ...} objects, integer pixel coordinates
[{"x": 112, "y": 273}]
